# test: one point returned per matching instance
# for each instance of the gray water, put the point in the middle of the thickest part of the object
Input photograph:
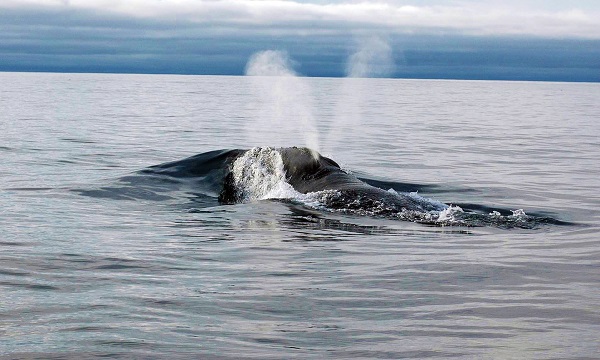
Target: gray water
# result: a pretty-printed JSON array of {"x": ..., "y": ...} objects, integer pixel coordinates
[{"x": 176, "y": 275}]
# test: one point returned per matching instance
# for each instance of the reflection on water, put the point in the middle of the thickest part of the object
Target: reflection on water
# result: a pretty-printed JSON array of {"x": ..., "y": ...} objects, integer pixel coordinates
[{"x": 101, "y": 259}]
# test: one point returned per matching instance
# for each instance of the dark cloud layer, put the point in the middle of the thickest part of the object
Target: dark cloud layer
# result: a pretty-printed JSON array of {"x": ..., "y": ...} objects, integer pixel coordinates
[{"x": 76, "y": 40}]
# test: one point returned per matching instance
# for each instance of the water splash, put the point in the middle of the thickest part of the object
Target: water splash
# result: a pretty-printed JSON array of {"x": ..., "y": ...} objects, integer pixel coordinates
[
  {"x": 450, "y": 214},
  {"x": 284, "y": 105},
  {"x": 259, "y": 174}
]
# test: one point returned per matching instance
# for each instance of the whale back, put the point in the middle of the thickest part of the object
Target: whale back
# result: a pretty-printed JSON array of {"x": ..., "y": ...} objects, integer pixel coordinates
[{"x": 309, "y": 171}]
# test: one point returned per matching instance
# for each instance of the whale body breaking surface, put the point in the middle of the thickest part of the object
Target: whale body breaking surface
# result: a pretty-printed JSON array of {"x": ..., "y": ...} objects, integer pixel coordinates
[
  {"x": 302, "y": 176},
  {"x": 297, "y": 172}
]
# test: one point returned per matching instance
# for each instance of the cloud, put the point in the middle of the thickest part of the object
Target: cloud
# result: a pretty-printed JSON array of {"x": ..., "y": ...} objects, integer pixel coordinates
[
  {"x": 396, "y": 38},
  {"x": 306, "y": 18}
]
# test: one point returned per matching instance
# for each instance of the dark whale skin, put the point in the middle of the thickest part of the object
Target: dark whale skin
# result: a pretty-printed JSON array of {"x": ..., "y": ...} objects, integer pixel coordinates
[{"x": 308, "y": 171}]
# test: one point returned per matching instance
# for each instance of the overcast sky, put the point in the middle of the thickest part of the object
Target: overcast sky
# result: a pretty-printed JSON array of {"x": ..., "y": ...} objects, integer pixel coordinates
[{"x": 527, "y": 39}]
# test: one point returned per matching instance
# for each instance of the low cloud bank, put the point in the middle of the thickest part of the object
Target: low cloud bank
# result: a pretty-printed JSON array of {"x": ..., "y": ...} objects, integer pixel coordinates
[{"x": 283, "y": 16}]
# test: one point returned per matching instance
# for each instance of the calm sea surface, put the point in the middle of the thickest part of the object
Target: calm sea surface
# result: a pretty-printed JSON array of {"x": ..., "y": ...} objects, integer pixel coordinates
[{"x": 93, "y": 264}]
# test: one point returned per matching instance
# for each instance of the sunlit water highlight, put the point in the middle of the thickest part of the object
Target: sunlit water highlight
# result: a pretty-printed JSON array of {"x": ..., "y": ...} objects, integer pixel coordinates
[{"x": 96, "y": 262}]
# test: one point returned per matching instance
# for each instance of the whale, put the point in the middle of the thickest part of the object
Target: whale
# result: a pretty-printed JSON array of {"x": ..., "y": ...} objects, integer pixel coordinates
[
  {"x": 307, "y": 171},
  {"x": 303, "y": 178}
]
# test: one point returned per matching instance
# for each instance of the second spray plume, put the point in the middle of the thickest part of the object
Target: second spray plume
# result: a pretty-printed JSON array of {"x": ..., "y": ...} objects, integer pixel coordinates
[{"x": 372, "y": 57}]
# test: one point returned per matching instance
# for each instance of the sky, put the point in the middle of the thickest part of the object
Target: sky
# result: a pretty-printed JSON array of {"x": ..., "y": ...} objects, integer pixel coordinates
[{"x": 448, "y": 39}]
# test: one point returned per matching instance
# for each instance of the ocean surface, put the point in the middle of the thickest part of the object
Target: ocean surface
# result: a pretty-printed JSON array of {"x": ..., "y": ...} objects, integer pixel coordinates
[{"x": 101, "y": 256}]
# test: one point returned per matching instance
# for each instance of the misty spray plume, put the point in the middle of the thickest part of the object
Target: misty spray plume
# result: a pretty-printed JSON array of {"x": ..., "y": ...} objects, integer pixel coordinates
[
  {"x": 285, "y": 102},
  {"x": 269, "y": 63},
  {"x": 373, "y": 58}
]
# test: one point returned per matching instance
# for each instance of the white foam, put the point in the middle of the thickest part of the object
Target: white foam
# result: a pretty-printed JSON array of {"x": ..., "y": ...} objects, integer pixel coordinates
[
  {"x": 437, "y": 204},
  {"x": 449, "y": 214},
  {"x": 259, "y": 174},
  {"x": 518, "y": 215}
]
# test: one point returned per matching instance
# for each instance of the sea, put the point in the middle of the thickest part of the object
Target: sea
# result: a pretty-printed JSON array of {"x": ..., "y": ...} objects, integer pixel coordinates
[{"x": 102, "y": 258}]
